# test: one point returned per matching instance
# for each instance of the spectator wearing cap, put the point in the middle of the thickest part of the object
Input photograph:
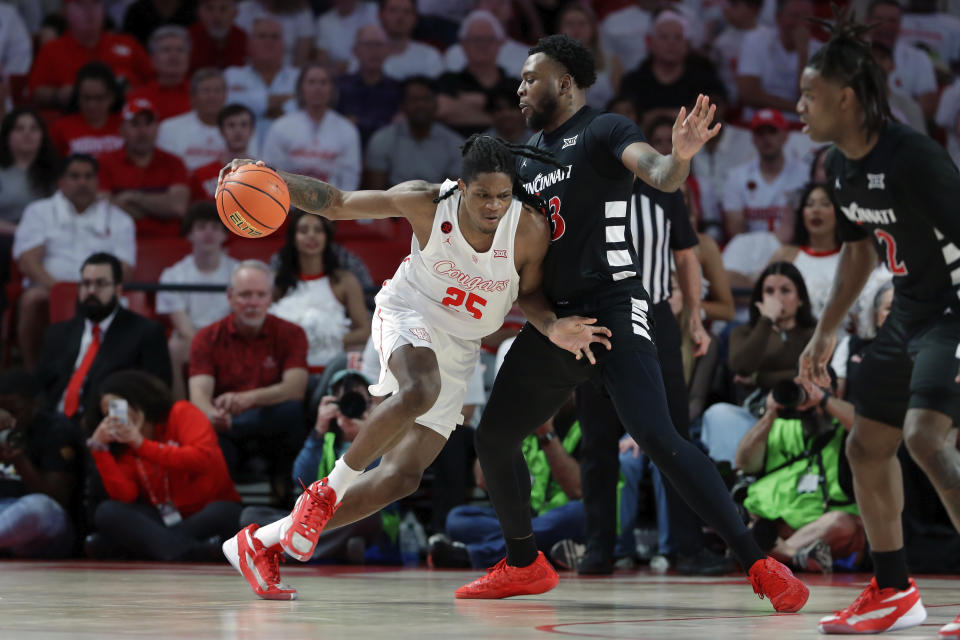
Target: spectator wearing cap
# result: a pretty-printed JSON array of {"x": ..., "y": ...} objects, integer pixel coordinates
[
  {"x": 100, "y": 339},
  {"x": 772, "y": 58},
  {"x": 913, "y": 74},
  {"x": 40, "y": 472},
  {"x": 416, "y": 147},
  {"x": 407, "y": 57},
  {"x": 759, "y": 200},
  {"x": 248, "y": 374},
  {"x": 215, "y": 40},
  {"x": 368, "y": 97},
  {"x": 463, "y": 94},
  {"x": 315, "y": 140},
  {"x": 207, "y": 263},
  {"x": 170, "y": 91},
  {"x": 55, "y": 67},
  {"x": 671, "y": 76},
  {"x": 56, "y": 235},
  {"x": 194, "y": 136},
  {"x": 93, "y": 126},
  {"x": 146, "y": 182},
  {"x": 265, "y": 84},
  {"x": 235, "y": 123},
  {"x": 337, "y": 31}
]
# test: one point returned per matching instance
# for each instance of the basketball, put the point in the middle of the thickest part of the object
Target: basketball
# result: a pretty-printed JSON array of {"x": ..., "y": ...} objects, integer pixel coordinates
[{"x": 253, "y": 201}]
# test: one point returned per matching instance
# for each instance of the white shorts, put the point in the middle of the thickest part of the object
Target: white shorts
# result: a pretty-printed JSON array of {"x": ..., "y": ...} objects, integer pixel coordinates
[{"x": 457, "y": 358}]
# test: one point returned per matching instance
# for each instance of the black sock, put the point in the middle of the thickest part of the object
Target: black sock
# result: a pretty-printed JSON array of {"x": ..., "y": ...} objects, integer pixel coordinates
[
  {"x": 890, "y": 567},
  {"x": 746, "y": 550},
  {"x": 521, "y": 552}
]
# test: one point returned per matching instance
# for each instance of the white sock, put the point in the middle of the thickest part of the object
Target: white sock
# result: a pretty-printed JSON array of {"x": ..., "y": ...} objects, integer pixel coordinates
[
  {"x": 270, "y": 534},
  {"x": 342, "y": 477}
]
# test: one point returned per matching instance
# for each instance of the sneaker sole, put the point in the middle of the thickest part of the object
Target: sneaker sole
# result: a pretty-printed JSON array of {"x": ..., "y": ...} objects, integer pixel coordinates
[
  {"x": 801, "y": 591},
  {"x": 541, "y": 586}
]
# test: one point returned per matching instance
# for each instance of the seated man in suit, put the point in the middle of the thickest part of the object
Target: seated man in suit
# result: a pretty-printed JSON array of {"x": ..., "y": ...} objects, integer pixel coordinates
[
  {"x": 248, "y": 373},
  {"x": 102, "y": 338}
]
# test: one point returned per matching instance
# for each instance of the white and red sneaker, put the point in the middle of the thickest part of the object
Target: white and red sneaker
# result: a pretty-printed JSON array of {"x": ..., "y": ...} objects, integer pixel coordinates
[
  {"x": 951, "y": 629},
  {"x": 258, "y": 564},
  {"x": 314, "y": 508},
  {"x": 877, "y": 610}
]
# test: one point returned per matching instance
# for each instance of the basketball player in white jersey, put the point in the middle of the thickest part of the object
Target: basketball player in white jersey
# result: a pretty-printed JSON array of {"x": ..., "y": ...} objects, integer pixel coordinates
[{"x": 476, "y": 249}]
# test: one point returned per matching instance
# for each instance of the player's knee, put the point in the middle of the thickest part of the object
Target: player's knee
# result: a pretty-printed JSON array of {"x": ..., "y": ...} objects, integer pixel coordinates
[
  {"x": 922, "y": 444},
  {"x": 420, "y": 394},
  {"x": 402, "y": 481},
  {"x": 861, "y": 450}
]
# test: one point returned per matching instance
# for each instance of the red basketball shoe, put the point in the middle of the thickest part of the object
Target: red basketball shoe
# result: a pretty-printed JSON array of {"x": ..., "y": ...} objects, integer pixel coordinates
[
  {"x": 774, "y": 581},
  {"x": 258, "y": 564},
  {"x": 877, "y": 610},
  {"x": 503, "y": 580},
  {"x": 314, "y": 508},
  {"x": 951, "y": 629}
]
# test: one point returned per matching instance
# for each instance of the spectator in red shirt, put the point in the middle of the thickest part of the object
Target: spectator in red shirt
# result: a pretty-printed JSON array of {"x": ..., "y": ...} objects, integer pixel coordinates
[
  {"x": 171, "y": 497},
  {"x": 248, "y": 374},
  {"x": 236, "y": 123},
  {"x": 56, "y": 65},
  {"x": 170, "y": 91},
  {"x": 216, "y": 41},
  {"x": 93, "y": 127},
  {"x": 148, "y": 183}
]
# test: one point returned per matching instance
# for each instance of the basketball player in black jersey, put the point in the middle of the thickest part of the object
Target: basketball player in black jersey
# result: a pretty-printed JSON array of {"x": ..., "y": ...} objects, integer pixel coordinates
[
  {"x": 899, "y": 191},
  {"x": 591, "y": 269}
]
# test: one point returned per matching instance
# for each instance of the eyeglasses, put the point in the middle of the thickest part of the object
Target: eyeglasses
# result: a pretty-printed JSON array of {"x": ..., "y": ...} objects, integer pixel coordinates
[{"x": 99, "y": 283}]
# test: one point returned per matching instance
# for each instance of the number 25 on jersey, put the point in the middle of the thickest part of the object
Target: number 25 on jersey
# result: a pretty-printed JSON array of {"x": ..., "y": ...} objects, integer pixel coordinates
[{"x": 471, "y": 302}]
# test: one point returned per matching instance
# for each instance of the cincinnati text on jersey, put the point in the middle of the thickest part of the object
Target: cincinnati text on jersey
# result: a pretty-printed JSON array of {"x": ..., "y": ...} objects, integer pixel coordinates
[
  {"x": 860, "y": 215},
  {"x": 543, "y": 181},
  {"x": 467, "y": 282}
]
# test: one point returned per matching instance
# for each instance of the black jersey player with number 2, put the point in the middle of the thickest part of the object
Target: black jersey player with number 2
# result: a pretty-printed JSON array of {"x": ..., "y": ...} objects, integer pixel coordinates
[
  {"x": 899, "y": 191},
  {"x": 591, "y": 269}
]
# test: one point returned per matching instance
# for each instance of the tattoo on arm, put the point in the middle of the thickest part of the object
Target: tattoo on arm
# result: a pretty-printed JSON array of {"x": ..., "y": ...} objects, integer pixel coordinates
[
  {"x": 663, "y": 172},
  {"x": 310, "y": 194}
]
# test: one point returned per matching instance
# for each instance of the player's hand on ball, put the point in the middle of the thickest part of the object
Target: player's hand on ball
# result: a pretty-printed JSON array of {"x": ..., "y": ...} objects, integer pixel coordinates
[
  {"x": 690, "y": 132},
  {"x": 814, "y": 359},
  {"x": 235, "y": 164},
  {"x": 576, "y": 333}
]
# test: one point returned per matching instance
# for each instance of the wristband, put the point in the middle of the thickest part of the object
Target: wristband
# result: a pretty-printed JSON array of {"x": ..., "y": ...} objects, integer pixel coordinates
[
  {"x": 823, "y": 400},
  {"x": 545, "y": 439}
]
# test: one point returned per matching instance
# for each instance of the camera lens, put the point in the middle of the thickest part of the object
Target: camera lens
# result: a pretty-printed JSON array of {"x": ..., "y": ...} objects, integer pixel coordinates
[
  {"x": 13, "y": 438},
  {"x": 352, "y": 404},
  {"x": 789, "y": 394}
]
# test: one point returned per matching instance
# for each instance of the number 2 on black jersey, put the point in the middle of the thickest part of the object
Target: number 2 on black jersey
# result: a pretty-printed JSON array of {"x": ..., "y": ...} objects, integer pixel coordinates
[{"x": 896, "y": 267}]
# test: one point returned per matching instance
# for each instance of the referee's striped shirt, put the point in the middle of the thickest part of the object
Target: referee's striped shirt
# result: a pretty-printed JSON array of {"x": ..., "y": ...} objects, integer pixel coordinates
[{"x": 660, "y": 225}]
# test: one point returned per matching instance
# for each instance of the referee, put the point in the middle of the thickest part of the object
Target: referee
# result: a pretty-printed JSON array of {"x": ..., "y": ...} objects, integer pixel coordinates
[{"x": 661, "y": 230}]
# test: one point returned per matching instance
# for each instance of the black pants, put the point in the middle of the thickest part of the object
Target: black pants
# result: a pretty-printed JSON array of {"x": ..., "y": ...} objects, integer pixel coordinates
[
  {"x": 136, "y": 530},
  {"x": 537, "y": 377},
  {"x": 601, "y": 428}
]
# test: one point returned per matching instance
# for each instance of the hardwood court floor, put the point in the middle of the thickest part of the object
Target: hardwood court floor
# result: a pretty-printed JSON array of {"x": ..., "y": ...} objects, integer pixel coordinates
[{"x": 87, "y": 600}]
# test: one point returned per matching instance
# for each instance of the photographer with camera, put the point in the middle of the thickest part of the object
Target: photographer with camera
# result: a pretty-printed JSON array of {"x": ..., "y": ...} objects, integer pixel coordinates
[
  {"x": 341, "y": 415},
  {"x": 802, "y": 503},
  {"x": 40, "y": 461}
]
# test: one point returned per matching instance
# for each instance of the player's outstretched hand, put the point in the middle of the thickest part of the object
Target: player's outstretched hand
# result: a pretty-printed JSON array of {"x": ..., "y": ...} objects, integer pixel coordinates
[
  {"x": 235, "y": 164},
  {"x": 814, "y": 359},
  {"x": 576, "y": 333},
  {"x": 690, "y": 132}
]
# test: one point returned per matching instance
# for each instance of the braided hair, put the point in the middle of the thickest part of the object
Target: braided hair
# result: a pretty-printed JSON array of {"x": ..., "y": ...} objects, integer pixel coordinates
[
  {"x": 488, "y": 154},
  {"x": 846, "y": 58}
]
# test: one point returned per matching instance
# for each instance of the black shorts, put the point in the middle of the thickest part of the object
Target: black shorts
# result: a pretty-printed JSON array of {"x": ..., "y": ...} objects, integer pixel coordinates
[{"x": 911, "y": 365}]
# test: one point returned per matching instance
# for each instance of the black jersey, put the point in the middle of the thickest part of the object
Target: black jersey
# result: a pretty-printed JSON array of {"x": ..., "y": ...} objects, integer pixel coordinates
[
  {"x": 592, "y": 249},
  {"x": 905, "y": 195}
]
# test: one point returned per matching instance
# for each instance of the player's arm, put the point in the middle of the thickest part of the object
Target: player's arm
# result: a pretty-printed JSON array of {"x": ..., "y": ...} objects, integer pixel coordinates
[
  {"x": 690, "y": 132},
  {"x": 573, "y": 333},
  {"x": 857, "y": 261}
]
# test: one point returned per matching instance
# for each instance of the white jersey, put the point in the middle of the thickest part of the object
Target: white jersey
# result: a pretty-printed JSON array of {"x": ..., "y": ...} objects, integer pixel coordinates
[{"x": 458, "y": 290}]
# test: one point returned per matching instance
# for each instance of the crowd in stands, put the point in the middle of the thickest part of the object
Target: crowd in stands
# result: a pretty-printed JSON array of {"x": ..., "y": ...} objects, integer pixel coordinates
[{"x": 153, "y": 363}]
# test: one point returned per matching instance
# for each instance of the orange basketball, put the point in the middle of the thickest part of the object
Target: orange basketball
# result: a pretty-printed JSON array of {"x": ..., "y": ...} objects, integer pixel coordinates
[{"x": 253, "y": 201}]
